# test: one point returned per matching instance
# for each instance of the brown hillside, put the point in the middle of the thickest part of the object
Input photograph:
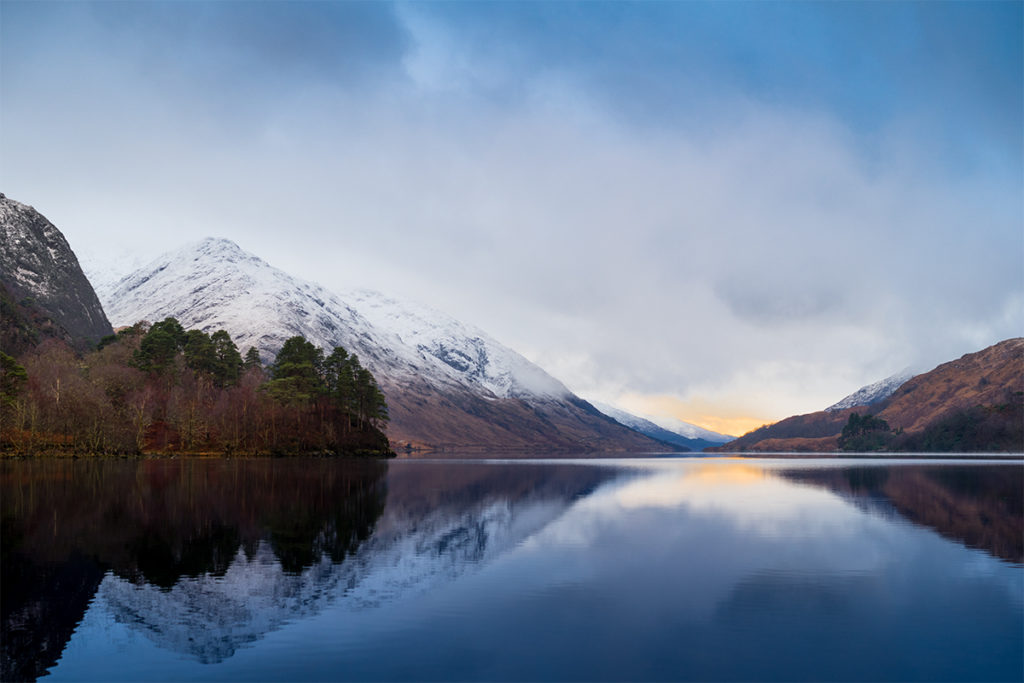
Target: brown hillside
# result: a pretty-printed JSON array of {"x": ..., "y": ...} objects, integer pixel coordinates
[
  {"x": 797, "y": 433},
  {"x": 991, "y": 377},
  {"x": 424, "y": 417},
  {"x": 994, "y": 376}
]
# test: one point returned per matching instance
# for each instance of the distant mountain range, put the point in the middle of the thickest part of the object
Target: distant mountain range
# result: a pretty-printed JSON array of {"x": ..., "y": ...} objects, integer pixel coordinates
[
  {"x": 676, "y": 432},
  {"x": 974, "y": 403},
  {"x": 448, "y": 385},
  {"x": 43, "y": 291}
]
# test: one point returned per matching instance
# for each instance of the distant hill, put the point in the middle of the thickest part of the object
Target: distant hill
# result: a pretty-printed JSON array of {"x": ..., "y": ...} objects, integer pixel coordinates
[
  {"x": 685, "y": 435},
  {"x": 974, "y": 403},
  {"x": 43, "y": 291}
]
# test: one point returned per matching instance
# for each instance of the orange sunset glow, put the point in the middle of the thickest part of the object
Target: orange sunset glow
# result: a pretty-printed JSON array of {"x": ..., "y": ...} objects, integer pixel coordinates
[{"x": 709, "y": 414}]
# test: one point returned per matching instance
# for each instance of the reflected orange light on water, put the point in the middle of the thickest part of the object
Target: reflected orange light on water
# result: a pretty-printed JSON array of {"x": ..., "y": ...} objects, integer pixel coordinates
[
  {"x": 755, "y": 498},
  {"x": 722, "y": 478}
]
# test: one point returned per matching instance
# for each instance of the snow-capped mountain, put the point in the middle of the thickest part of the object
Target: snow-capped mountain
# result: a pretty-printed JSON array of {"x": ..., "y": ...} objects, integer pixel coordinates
[
  {"x": 690, "y": 431},
  {"x": 873, "y": 393},
  {"x": 216, "y": 285},
  {"x": 447, "y": 383},
  {"x": 679, "y": 433}
]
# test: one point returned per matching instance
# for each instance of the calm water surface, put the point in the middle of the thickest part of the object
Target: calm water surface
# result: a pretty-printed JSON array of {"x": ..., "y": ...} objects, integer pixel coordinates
[{"x": 667, "y": 569}]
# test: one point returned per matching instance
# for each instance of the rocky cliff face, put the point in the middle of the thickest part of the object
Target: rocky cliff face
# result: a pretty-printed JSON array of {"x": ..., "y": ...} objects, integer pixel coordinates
[
  {"x": 44, "y": 289},
  {"x": 990, "y": 381}
]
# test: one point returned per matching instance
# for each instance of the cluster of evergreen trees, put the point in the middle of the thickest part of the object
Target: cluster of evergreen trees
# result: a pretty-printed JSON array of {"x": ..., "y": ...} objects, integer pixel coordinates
[
  {"x": 302, "y": 374},
  {"x": 867, "y": 433},
  {"x": 161, "y": 388},
  {"x": 980, "y": 429}
]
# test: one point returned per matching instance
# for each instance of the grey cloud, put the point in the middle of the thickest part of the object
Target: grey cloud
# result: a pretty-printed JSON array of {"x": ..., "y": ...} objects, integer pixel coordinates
[
  {"x": 758, "y": 254},
  {"x": 762, "y": 301}
]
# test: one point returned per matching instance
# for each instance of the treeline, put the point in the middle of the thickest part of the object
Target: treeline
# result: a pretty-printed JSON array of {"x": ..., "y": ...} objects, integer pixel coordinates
[
  {"x": 163, "y": 389},
  {"x": 981, "y": 429}
]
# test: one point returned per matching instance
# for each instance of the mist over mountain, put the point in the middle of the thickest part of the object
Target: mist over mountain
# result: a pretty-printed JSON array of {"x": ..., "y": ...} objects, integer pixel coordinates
[
  {"x": 43, "y": 290},
  {"x": 448, "y": 384}
]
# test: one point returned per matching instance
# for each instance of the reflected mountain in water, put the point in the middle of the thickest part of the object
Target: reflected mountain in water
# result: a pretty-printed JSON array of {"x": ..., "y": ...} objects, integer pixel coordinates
[
  {"x": 447, "y": 518},
  {"x": 210, "y": 616},
  {"x": 981, "y": 507},
  {"x": 694, "y": 568},
  {"x": 204, "y": 557},
  {"x": 152, "y": 524}
]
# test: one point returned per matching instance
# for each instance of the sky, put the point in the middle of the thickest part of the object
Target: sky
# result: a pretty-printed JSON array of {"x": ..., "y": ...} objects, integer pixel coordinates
[{"x": 726, "y": 213}]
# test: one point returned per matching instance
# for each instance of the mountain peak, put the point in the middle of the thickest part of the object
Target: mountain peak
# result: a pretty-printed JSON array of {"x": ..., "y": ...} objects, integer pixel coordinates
[{"x": 217, "y": 247}]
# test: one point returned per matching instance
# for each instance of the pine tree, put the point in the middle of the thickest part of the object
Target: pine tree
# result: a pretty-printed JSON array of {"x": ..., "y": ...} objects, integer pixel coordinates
[
  {"x": 252, "y": 359},
  {"x": 159, "y": 347},
  {"x": 228, "y": 365},
  {"x": 199, "y": 352},
  {"x": 297, "y": 372}
]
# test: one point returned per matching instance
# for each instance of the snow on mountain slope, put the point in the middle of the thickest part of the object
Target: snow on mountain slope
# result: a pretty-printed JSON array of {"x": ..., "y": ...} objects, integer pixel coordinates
[
  {"x": 685, "y": 434},
  {"x": 473, "y": 355},
  {"x": 447, "y": 383},
  {"x": 222, "y": 286},
  {"x": 690, "y": 431},
  {"x": 105, "y": 266},
  {"x": 873, "y": 393},
  {"x": 215, "y": 285}
]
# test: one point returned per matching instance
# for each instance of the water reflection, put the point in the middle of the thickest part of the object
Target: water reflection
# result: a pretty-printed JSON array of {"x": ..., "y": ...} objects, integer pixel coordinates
[
  {"x": 154, "y": 526},
  {"x": 720, "y": 571},
  {"x": 981, "y": 507},
  {"x": 654, "y": 570},
  {"x": 205, "y": 556}
]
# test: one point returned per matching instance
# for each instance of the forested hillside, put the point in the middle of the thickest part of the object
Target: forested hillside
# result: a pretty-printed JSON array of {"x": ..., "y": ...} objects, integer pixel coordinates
[{"x": 163, "y": 389}]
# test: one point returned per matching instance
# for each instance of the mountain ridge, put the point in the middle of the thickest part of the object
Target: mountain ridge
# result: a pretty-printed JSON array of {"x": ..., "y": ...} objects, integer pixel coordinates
[
  {"x": 694, "y": 438},
  {"x": 873, "y": 393},
  {"x": 449, "y": 385}
]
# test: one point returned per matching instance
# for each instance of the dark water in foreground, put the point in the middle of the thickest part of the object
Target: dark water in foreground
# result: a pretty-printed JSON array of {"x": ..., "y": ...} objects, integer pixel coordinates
[{"x": 668, "y": 569}]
